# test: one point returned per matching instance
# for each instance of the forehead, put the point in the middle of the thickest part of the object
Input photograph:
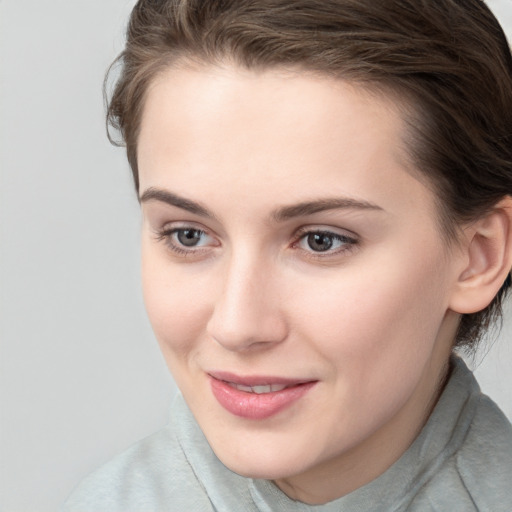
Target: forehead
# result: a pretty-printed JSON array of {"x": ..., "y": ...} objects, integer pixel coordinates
[
  {"x": 270, "y": 134},
  {"x": 291, "y": 102}
]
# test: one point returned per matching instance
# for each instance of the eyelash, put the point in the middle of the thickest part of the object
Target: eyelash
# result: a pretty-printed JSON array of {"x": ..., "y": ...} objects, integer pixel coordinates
[
  {"x": 349, "y": 242},
  {"x": 166, "y": 235}
]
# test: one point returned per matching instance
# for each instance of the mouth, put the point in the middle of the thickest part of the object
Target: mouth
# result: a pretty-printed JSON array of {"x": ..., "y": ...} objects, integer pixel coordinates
[
  {"x": 259, "y": 390},
  {"x": 257, "y": 398}
]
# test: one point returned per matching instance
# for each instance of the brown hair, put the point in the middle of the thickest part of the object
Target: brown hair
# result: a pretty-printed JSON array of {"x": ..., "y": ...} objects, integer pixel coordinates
[{"x": 448, "y": 59}]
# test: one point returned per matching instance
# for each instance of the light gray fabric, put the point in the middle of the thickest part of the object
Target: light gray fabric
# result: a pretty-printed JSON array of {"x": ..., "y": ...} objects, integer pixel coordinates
[{"x": 460, "y": 462}]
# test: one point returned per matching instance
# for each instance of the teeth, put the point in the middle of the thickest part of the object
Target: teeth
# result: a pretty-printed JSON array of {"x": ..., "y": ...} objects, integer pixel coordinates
[
  {"x": 258, "y": 389},
  {"x": 243, "y": 388},
  {"x": 261, "y": 389}
]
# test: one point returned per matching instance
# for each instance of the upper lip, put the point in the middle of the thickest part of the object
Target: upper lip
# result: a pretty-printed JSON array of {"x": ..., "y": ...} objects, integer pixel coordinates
[{"x": 257, "y": 380}]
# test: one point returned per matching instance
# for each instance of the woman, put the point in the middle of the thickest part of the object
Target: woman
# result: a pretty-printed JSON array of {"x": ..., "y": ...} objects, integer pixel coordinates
[{"x": 325, "y": 188}]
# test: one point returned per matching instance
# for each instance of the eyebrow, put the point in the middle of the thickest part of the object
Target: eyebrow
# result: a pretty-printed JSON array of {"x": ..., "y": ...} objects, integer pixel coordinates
[
  {"x": 280, "y": 215},
  {"x": 320, "y": 205},
  {"x": 167, "y": 197}
]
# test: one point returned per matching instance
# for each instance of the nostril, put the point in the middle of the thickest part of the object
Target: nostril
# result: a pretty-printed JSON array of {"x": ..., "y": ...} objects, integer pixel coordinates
[{"x": 249, "y": 334}]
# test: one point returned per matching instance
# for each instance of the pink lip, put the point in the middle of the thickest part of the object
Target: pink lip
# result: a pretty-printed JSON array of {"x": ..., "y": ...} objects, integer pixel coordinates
[{"x": 252, "y": 405}]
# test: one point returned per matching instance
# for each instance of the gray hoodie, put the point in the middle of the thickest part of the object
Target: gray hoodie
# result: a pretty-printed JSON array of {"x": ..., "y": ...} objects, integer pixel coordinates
[{"x": 460, "y": 462}]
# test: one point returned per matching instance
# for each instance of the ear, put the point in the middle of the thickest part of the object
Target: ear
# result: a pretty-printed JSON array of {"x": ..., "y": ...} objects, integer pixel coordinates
[{"x": 487, "y": 260}]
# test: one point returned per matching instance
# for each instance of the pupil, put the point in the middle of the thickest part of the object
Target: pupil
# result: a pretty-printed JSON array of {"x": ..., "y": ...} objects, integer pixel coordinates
[
  {"x": 189, "y": 237},
  {"x": 320, "y": 241}
]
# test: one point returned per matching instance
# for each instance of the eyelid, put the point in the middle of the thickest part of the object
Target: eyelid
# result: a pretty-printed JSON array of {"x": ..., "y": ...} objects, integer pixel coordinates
[
  {"x": 341, "y": 232},
  {"x": 169, "y": 227},
  {"x": 182, "y": 224}
]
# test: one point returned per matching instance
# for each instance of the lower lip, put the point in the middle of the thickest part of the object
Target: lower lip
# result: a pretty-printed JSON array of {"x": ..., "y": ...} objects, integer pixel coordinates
[{"x": 256, "y": 406}]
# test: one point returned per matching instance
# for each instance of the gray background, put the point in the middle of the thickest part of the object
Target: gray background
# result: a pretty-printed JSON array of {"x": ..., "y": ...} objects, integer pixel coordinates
[{"x": 81, "y": 377}]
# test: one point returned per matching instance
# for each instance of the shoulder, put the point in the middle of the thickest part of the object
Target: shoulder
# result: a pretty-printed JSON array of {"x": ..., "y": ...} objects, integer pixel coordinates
[
  {"x": 466, "y": 449},
  {"x": 173, "y": 470},
  {"x": 151, "y": 475},
  {"x": 484, "y": 461},
  {"x": 478, "y": 475}
]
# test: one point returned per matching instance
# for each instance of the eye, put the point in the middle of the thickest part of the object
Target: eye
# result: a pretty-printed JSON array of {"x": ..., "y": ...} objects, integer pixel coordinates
[
  {"x": 320, "y": 242},
  {"x": 325, "y": 242},
  {"x": 189, "y": 237},
  {"x": 186, "y": 240}
]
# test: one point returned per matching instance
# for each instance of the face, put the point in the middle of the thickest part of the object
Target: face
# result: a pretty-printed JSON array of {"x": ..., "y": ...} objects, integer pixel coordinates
[{"x": 293, "y": 271}]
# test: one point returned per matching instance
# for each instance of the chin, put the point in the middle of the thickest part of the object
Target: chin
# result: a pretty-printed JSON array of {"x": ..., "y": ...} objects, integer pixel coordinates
[
  {"x": 264, "y": 470},
  {"x": 269, "y": 464}
]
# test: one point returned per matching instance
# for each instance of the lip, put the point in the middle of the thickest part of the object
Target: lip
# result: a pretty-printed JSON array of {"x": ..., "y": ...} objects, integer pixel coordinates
[{"x": 252, "y": 405}]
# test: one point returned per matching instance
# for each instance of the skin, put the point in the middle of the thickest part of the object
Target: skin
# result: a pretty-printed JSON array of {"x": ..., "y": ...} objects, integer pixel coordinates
[{"x": 370, "y": 319}]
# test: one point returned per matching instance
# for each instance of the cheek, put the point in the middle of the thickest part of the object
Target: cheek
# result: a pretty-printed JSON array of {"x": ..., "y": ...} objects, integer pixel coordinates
[
  {"x": 372, "y": 323},
  {"x": 175, "y": 304},
  {"x": 376, "y": 334}
]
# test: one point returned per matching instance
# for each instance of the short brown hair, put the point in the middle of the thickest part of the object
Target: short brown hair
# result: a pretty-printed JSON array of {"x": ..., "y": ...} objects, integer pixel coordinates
[{"x": 449, "y": 59}]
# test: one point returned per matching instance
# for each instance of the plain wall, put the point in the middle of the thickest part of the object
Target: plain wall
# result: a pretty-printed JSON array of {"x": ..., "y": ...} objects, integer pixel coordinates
[{"x": 81, "y": 377}]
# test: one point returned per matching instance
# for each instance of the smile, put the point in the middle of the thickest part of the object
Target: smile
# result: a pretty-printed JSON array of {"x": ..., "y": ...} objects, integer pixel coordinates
[
  {"x": 257, "y": 389},
  {"x": 254, "y": 398}
]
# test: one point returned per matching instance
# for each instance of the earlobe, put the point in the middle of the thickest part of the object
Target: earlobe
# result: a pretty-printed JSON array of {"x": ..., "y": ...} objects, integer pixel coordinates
[{"x": 488, "y": 257}]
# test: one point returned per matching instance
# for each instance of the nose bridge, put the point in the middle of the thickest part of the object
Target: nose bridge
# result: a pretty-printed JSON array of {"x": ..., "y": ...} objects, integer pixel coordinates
[{"x": 247, "y": 310}]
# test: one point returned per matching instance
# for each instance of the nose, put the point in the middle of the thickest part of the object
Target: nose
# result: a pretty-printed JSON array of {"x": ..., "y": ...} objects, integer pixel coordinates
[{"x": 248, "y": 313}]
